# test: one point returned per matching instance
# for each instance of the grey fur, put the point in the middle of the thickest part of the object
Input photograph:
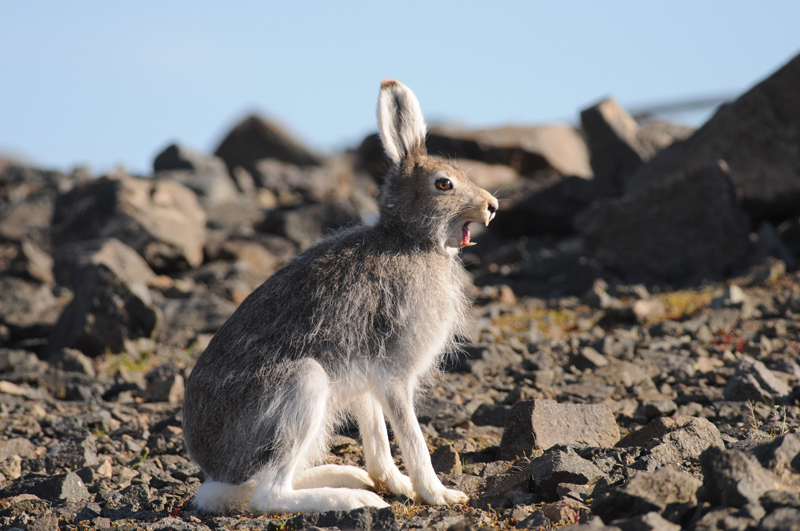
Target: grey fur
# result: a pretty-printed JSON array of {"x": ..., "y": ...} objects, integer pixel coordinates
[{"x": 366, "y": 314}]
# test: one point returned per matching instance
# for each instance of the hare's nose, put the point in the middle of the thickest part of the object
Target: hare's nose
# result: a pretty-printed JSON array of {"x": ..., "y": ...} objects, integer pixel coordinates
[{"x": 491, "y": 206}]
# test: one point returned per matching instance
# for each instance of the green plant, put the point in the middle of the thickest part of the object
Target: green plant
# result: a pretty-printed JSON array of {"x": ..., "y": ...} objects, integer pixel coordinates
[{"x": 141, "y": 458}]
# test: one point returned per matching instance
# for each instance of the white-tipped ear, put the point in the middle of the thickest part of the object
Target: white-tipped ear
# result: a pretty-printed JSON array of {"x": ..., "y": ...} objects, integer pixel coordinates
[{"x": 400, "y": 121}]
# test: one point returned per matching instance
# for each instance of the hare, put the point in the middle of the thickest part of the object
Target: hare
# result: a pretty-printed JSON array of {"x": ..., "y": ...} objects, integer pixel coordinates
[{"x": 350, "y": 328}]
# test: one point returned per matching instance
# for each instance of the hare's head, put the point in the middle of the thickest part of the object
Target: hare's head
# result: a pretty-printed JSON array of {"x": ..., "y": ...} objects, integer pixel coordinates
[{"x": 423, "y": 196}]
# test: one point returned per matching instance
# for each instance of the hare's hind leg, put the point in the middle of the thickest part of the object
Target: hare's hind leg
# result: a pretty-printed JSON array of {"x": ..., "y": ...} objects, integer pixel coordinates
[
  {"x": 301, "y": 421},
  {"x": 378, "y": 453},
  {"x": 350, "y": 477}
]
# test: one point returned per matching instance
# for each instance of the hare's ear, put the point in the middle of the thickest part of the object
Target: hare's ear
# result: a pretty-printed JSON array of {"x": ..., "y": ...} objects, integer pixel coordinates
[{"x": 400, "y": 121}]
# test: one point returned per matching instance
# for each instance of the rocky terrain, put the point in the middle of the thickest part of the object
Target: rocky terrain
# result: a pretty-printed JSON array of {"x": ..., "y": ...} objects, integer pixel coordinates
[{"x": 633, "y": 363}]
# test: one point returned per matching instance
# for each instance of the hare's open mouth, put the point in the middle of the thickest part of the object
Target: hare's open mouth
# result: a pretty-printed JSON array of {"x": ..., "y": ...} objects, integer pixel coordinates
[{"x": 465, "y": 235}]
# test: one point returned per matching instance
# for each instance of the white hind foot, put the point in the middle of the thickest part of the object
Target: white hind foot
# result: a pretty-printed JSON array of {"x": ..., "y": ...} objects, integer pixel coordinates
[
  {"x": 314, "y": 500},
  {"x": 216, "y": 497},
  {"x": 333, "y": 476}
]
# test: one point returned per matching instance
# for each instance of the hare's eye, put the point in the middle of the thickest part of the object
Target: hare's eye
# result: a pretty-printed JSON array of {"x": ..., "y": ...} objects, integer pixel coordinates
[{"x": 444, "y": 184}]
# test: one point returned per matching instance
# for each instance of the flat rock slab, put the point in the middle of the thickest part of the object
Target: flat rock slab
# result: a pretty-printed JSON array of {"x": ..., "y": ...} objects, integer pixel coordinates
[{"x": 540, "y": 424}]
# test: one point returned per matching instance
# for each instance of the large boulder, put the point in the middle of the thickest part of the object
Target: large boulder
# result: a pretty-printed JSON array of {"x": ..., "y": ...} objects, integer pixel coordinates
[
  {"x": 256, "y": 138},
  {"x": 757, "y": 135},
  {"x": 527, "y": 149},
  {"x": 689, "y": 227},
  {"x": 160, "y": 219}
]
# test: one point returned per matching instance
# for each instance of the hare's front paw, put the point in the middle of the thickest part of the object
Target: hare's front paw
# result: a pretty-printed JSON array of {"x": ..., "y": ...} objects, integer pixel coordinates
[
  {"x": 447, "y": 497},
  {"x": 401, "y": 484}
]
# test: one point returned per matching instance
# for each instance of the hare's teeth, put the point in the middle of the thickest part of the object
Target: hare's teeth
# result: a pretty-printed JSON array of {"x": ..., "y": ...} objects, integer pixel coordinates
[{"x": 465, "y": 235}]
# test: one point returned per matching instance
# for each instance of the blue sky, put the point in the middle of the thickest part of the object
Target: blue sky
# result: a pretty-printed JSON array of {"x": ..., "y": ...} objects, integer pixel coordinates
[{"x": 112, "y": 83}]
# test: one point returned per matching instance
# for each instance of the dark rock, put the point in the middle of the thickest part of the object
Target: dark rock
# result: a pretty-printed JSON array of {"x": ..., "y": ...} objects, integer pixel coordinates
[
  {"x": 781, "y": 455},
  {"x": 491, "y": 415},
  {"x": 674, "y": 439},
  {"x": 165, "y": 384},
  {"x": 72, "y": 453},
  {"x": 484, "y": 358},
  {"x": 59, "y": 488},
  {"x": 654, "y": 136},
  {"x": 560, "y": 464},
  {"x": 17, "y": 446},
  {"x": 363, "y": 519},
  {"x": 215, "y": 190},
  {"x": 727, "y": 518},
  {"x": 445, "y": 460},
  {"x": 23, "y": 503},
  {"x": 71, "y": 360},
  {"x": 185, "y": 318},
  {"x": 566, "y": 512},
  {"x": 159, "y": 219},
  {"x": 20, "y": 366},
  {"x": 689, "y": 227},
  {"x": 177, "y": 157},
  {"x": 126, "y": 263},
  {"x": 26, "y": 203},
  {"x": 371, "y": 158},
  {"x": 754, "y": 381},
  {"x": 526, "y": 149},
  {"x": 535, "y": 520},
  {"x": 307, "y": 224},
  {"x": 611, "y": 135},
  {"x": 666, "y": 491},
  {"x": 256, "y": 138},
  {"x": 772, "y": 499},
  {"x": 32, "y": 262},
  {"x": 105, "y": 314},
  {"x": 651, "y": 521},
  {"x": 658, "y": 408},
  {"x": 540, "y": 424},
  {"x": 440, "y": 413},
  {"x": 548, "y": 205},
  {"x": 27, "y": 309},
  {"x": 516, "y": 479},
  {"x": 46, "y": 522},
  {"x": 492, "y": 177},
  {"x": 789, "y": 232},
  {"x": 734, "y": 479},
  {"x": 782, "y": 519},
  {"x": 294, "y": 185},
  {"x": 589, "y": 358},
  {"x": 756, "y": 135}
]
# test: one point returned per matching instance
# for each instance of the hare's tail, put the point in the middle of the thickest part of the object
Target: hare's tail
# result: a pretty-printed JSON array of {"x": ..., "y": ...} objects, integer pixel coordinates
[{"x": 216, "y": 497}]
